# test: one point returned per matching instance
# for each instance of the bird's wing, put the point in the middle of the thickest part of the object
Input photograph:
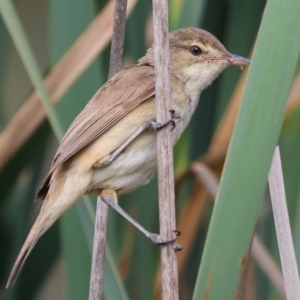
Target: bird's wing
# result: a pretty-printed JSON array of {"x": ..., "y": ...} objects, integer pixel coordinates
[{"x": 120, "y": 96}]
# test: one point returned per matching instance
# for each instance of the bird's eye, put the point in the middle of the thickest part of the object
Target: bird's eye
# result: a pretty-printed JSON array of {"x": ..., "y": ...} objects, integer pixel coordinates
[{"x": 195, "y": 50}]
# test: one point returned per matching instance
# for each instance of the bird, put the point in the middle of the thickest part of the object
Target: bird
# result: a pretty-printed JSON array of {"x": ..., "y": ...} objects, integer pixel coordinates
[{"x": 110, "y": 148}]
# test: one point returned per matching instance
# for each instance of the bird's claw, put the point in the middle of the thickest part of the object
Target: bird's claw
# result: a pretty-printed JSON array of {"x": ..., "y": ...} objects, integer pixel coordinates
[
  {"x": 177, "y": 247},
  {"x": 177, "y": 232},
  {"x": 174, "y": 117},
  {"x": 156, "y": 239},
  {"x": 158, "y": 126}
]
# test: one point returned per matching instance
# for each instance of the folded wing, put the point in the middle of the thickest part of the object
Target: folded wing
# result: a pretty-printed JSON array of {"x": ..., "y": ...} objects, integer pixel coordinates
[{"x": 112, "y": 102}]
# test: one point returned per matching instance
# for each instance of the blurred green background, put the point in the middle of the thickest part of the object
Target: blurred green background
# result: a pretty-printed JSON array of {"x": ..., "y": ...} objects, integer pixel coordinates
[{"x": 59, "y": 265}]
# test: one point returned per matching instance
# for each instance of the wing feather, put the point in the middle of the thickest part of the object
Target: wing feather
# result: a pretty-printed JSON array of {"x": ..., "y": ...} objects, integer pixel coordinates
[{"x": 111, "y": 103}]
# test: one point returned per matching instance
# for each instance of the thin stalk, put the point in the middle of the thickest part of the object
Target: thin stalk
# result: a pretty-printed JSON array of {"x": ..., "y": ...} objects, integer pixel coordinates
[
  {"x": 117, "y": 44},
  {"x": 164, "y": 150},
  {"x": 101, "y": 220},
  {"x": 283, "y": 229},
  {"x": 98, "y": 250},
  {"x": 267, "y": 265}
]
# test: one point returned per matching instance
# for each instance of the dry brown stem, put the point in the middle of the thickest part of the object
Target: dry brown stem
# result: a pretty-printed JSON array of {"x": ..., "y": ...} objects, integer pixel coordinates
[
  {"x": 101, "y": 220},
  {"x": 165, "y": 150}
]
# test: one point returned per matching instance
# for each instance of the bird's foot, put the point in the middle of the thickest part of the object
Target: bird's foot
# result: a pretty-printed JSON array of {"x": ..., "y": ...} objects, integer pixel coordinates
[
  {"x": 158, "y": 126},
  {"x": 157, "y": 240}
]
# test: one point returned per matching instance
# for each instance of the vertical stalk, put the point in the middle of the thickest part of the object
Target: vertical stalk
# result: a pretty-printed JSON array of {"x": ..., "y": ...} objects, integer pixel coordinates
[
  {"x": 96, "y": 281},
  {"x": 117, "y": 44},
  {"x": 101, "y": 219},
  {"x": 283, "y": 229},
  {"x": 164, "y": 150}
]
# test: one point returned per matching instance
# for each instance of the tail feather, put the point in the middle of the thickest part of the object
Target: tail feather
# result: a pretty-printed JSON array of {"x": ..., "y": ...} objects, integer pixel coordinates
[
  {"x": 36, "y": 231},
  {"x": 62, "y": 194},
  {"x": 50, "y": 212}
]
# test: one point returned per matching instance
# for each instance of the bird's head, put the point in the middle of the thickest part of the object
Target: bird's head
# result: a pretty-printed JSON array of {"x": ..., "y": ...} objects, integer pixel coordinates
[{"x": 196, "y": 57}]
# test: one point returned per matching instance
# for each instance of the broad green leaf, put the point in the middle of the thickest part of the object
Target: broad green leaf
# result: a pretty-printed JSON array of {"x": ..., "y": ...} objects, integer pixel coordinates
[{"x": 255, "y": 135}]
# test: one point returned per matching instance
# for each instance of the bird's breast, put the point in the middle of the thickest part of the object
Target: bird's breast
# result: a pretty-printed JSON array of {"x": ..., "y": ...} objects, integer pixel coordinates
[
  {"x": 134, "y": 167},
  {"x": 184, "y": 100}
]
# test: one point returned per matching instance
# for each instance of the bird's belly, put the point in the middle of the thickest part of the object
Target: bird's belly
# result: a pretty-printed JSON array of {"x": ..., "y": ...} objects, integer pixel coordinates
[
  {"x": 136, "y": 165},
  {"x": 131, "y": 169}
]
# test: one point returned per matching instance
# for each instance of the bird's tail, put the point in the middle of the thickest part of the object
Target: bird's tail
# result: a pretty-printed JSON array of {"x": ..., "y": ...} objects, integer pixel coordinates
[
  {"x": 39, "y": 227},
  {"x": 52, "y": 209},
  {"x": 62, "y": 194}
]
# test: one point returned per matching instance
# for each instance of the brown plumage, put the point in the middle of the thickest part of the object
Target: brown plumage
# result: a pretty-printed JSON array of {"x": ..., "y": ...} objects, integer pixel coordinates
[
  {"x": 92, "y": 121},
  {"x": 114, "y": 114}
]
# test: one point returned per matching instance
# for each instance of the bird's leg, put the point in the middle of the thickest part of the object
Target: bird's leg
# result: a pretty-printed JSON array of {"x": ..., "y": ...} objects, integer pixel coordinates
[
  {"x": 148, "y": 125},
  {"x": 109, "y": 158},
  {"x": 109, "y": 196}
]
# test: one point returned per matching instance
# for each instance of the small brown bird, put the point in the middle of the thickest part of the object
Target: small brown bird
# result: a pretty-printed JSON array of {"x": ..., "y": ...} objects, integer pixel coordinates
[{"x": 110, "y": 148}]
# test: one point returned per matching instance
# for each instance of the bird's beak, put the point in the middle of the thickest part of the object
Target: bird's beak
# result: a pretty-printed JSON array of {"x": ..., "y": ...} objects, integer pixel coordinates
[
  {"x": 233, "y": 59},
  {"x": 237, "y": 60}
]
